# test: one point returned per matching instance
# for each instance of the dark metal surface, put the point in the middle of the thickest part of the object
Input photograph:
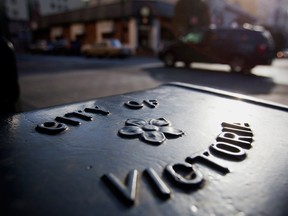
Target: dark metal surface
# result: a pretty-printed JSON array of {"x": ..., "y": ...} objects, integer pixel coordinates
[{"x": 173, "y": 150}]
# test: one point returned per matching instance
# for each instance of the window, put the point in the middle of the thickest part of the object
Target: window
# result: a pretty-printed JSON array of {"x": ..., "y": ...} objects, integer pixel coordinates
[
  {"x": 15, "y": 13},
  {"x": 52, "y": 5},
  {"x": 115, "y": 43},
  {"x": 193, "y": 37}
]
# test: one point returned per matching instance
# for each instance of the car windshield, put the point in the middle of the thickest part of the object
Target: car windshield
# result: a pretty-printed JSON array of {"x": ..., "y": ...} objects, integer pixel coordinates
[{"x": 193, "y": 37}]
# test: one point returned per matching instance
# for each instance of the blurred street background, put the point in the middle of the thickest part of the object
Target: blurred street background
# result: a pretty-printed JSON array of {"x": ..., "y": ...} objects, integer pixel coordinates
[
  {"x": 60, "y": 55},
  {"x": 54, "y": 80}
]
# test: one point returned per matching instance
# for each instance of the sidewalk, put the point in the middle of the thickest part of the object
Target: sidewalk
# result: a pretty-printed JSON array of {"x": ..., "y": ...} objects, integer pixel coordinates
[
  {"x": 44, "y": 90},
  {"x": 54, "y": 80}
]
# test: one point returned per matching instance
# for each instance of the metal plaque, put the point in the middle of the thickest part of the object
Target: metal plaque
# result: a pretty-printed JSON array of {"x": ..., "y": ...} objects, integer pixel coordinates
[{"x": 174, "y": 150}]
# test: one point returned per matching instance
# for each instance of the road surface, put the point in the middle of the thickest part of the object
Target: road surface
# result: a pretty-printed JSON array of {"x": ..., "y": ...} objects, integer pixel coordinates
[{"x": 55, "y": 80}]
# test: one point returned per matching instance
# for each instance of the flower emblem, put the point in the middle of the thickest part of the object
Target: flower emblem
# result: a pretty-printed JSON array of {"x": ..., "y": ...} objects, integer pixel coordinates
[{"x": 155, "y": 131}]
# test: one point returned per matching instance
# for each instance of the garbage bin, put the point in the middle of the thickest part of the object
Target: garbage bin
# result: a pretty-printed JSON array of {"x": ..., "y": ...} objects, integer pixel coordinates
[{"x": 177, "y": 149}]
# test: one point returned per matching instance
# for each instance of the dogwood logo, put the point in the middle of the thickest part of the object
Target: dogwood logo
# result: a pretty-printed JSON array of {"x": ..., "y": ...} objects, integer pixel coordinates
[{"x": 154, "y": 131}]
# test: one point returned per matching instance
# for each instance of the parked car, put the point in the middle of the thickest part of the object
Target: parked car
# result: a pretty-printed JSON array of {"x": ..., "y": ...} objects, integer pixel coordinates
[
  {"x": 107, "y": 48},
  {"x": 60, "y": 46},
  {"x": 75, "y": 47},
  {"x": 241, "y": 48},
  {"x": 40, "y": 47}
]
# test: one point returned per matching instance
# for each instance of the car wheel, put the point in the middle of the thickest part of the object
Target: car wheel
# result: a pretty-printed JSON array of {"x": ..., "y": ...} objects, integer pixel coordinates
[
  {"x": 247, "y": 70},
  {"x": 169, "y": 59},
  {"x": 237, "y": 65},
  {"x": 187, "y": 64}
]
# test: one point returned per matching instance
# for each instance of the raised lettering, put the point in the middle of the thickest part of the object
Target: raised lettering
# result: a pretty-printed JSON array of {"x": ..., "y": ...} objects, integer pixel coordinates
[
  {"x": 127, "y": 192},
  {"x": 51, "y": 128},
  {"x": 134, "y": 104},
  {"x": 159, "y": 186},
  {"x": 97, "y": 110},
  {"x": 232, "y": 138},
  {"x": 237, "y": 128},
  {"x": 185, "y": 175},
  {"x": 206, "y": 159},
  {"x": 227, "y": 150},
  {"x": 241, "y": 126},
  {"x": 79, "y": 114},
  {"x": 67, "y": 121},
  {"x": 151, "y": 103}
]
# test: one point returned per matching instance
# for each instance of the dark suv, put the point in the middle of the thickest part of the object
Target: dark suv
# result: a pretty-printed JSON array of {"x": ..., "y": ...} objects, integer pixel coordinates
[{"x": 241, "y": 48}]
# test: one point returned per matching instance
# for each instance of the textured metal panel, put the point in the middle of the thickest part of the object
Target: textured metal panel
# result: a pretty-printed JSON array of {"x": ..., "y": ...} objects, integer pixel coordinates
[{"x": 177, "y": 147}]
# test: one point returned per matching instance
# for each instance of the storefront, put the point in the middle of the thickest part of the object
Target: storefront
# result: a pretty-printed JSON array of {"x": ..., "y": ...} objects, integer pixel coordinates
[{"x": 137, "y": 24}]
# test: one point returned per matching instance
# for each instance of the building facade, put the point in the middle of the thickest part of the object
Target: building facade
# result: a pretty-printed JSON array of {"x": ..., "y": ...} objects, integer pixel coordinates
[
  {"x": 140, "y": 25},
  {"x": 230, "y": 13},
  {"x": 273, "y": 13},
  {"x": 49, "y": 7},
  {"x": 16, "y": 9},
  {"x": 18, "y": 22},
  {"x": 248, "y": 5}
]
